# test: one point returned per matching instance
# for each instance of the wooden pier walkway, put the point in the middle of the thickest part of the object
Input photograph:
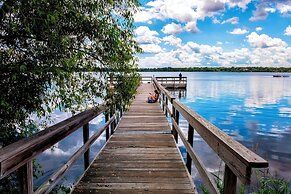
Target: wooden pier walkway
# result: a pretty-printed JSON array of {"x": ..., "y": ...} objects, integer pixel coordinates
[{"x": 140, "y": 157}]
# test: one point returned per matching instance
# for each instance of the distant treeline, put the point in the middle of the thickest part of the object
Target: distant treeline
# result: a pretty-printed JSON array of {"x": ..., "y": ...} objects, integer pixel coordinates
[{"x": 219, "y": 69}]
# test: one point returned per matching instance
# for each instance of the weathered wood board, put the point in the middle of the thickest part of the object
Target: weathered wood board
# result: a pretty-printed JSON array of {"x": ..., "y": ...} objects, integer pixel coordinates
[{"x": 140, "y": 157}]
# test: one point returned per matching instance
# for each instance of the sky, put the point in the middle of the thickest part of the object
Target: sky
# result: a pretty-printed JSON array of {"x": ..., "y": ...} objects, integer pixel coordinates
[{"x": 214, "y": 33}]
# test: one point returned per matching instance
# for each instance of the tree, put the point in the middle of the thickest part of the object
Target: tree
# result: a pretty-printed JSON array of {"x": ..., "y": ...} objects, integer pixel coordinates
[
  {"x": 50, "y": 48},
  {"x": 58, "y": 54}
]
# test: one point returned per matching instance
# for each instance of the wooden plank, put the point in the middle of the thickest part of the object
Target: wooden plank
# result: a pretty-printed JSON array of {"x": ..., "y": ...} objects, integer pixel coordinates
[
  {"x": 133, "y": 191},
  {"x": 129, "y": 186},
  {"x": 141, "y": 156}
]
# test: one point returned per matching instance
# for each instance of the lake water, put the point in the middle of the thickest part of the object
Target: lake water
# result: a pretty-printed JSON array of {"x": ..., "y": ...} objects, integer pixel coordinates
[{"x": 253, "y": 108}]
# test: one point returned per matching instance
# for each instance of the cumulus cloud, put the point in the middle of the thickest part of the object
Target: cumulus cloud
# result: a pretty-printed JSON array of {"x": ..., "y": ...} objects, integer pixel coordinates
[
  {"x": 233, "y": 20},
  {"x": 287, "y": 31},
  {"x": 142, "y": 16},
  {"x": 259, "y": 29},
  {"x": 146, "y": 36},
  {"x": 172, "y": 28},
  {"x": 172, "y": 40},
  {"x": 239, "y": 3},
  {"x": 193, "y": 54},
  {"x": 271, "y": 6},
  {"x": 191, "y": 27},
  {"x": 151, "y": 48},
  {"x": 260, "y": 13},
  {"x": 187, "y": 11},
  {"x": 264, "y": 41},
  {"x": 284, "y": 9},
  {"x": 148, "y": 39},
  {"x": 239, "y": 31}
]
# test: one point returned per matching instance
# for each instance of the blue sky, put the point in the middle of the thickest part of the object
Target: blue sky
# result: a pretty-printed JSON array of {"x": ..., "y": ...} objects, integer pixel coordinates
[{"x": 187, "y": 33}]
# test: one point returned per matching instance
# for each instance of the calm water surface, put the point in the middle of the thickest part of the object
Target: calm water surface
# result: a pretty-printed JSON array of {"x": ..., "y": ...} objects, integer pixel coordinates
[{"x": 253, "y": 108}]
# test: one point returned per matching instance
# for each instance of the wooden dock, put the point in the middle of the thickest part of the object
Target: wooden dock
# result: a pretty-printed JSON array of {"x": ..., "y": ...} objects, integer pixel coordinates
[{"x": 140, "y": 157}]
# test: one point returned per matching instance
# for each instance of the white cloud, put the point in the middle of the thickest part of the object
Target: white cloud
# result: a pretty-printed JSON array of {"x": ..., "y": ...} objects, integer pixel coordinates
[
  {"x": 142, "y": 16},
  {"x": 287, "y": 31},
  {"x": 145, "y": 35},
  {"x": 270, "y": 9},
  {"x": 172, "y": 40},
  {"x": 191, "y": 27},
  {"x": 284, "y": 8},
  {"x": 264, "y": 41},
  {"x": 187, "y": 11},
  {"x": 233, "y": 20},
  {"x": 151, "y": 48},
  {"x": 260, "y": 13},
  {"x": 172, "y": 28},
  {"x": 193, "y": 54},
  {"x": 239, "y": 31},
  {"x": 216, "y": 21},
  {"x": 259, "y": 29},
  {"x": 219, "y": 43},
  {"x": 268, "y": 6},
  {"x": 239, "y": 3}
]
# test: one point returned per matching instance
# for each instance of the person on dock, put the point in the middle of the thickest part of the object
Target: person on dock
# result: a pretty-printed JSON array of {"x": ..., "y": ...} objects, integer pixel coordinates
[
  {"x": 153, "y": 97},
  {"x": 180, "y": 76}
]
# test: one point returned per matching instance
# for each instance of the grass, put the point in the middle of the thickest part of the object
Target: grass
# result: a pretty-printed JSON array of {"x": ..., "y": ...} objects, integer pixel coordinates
[{"x": 267, "y": 184}]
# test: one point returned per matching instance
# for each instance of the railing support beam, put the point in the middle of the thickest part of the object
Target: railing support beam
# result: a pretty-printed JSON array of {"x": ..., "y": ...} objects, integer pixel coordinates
[
  {"x": 166, "y": 111},
  {"x": 176, "y": 117},
  {"x": 190, "y": 140},
  {"x": 26, "y": 178},
  {"x": 107, "y": 129},
  {"x": 112, "y": 126},
  {"x": 85, "y": 139},
  {"x": 229, "y": 181}
]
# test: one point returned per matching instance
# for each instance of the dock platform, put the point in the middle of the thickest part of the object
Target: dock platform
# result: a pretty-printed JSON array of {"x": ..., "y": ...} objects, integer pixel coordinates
[{"x": 140, "y": 157}]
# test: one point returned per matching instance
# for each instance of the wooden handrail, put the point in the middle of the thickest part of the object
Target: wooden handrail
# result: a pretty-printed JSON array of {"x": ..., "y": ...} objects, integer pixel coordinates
[
  {"x": 47, "y": 186},
  {"x": 163, "y": 90},
  {"x": 17, "y": 154},
  {"x": 239, "y": 160},
  {"x": 198, "y": 163}
]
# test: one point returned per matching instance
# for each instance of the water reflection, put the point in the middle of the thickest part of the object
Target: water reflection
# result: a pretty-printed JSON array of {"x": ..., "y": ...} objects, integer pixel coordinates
[
  {"x": 52, "y": 159},
  {"x": 253, "y": 108}
]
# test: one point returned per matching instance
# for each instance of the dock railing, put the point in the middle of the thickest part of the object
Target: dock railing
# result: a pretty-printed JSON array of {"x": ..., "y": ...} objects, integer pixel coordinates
[
  {"x": 239, "y": 160},
  {"x": 146, "y": 79},
  {"x": 172, "y": 80},
  {"x": 20, "y": 155}
]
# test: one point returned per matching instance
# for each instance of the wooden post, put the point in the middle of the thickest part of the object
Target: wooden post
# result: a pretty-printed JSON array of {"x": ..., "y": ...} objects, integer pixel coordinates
[
  {"x": 176, "y": 117},
  {"x": 121, "y": 112},
  {"x": 112, "y": 126},
  {"x": 85, "y": 139},
  {"x": 166, "y": 111},
  {"x": 163, "y": 102},
  {"x": 190, "y": 140},
  {"x": 229, "y": 181},
  {"x": 26, "y": 178},
  {"x": 107, "y": 129}
]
